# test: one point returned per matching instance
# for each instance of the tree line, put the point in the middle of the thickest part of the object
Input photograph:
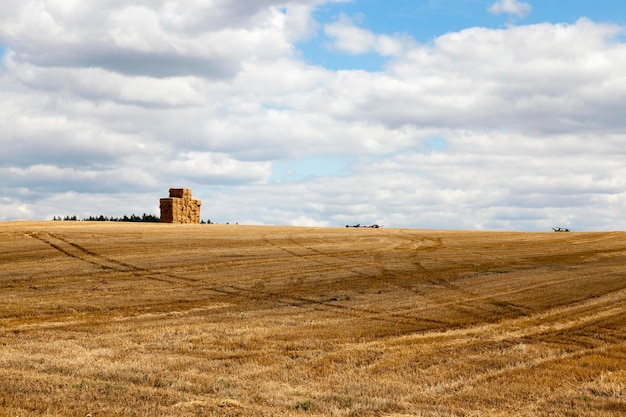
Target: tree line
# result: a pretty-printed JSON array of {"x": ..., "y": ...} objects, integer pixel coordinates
[{"x": 145, "y": 218}]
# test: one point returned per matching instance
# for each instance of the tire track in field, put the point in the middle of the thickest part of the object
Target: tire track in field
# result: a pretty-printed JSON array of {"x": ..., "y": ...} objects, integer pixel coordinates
[
  {"x": 467, "y": 299},
  {"x": 350, "y": 265},
  {"x": 414, "y": 244},
  {"x": 80, "y": 253},
  {"x": 319, "y": 257},
  {"x": 310, "y": 254},
  {"x": 565, "y": 340},
  {"x": 76, "y": 251},
  {"x": 378, "y": 263},
  {"x": 464, "y": 299},
  {"x": 557, "y": 319},
  {"x": 472, "y": 297},
  {"x": 453, "y": 387},
  {"x": 323, "y": 260},
  {"x": 331, "y": 305},
  {"x": 419, "y": 242},
  {"x": 592, "y": 327},
  {"x": 316, "y": 256},
  {"x": 73, "y": 250}
]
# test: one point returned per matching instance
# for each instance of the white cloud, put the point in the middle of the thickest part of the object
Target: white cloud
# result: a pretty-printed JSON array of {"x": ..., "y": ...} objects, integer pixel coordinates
[
  {"x": 157, "y": 38},
  {"x": 209, "y": 167},
  {"x": 346, "y": 36},
  {"x": 349, "y": 38},
  {"x": 512, "y": 7},
  {"x": 100, "y": 84},
  {"x": 537, "y": 77}
]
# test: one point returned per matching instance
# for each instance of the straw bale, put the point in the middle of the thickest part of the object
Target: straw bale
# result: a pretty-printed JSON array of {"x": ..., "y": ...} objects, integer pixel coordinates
[
  {"x": 179, "y": 207},
  {"x": 180, "y": 193}
]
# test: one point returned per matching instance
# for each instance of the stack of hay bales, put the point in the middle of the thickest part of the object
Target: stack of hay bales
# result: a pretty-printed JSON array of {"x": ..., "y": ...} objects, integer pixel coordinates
[{"x": 180, "y": 207}]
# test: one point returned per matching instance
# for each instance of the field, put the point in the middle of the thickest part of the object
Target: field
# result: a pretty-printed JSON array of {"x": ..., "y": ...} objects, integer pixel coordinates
[{"x": 126, "y": 319}]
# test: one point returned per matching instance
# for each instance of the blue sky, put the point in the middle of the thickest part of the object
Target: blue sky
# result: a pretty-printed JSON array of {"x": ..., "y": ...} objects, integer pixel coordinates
[
  {"x": 466, "y": 114},
  {"x": 425, "y": 20}
]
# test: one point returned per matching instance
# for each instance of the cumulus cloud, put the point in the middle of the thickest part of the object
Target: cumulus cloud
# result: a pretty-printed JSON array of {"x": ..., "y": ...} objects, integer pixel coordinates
[
  {"x": 511, "y": 7},
  {"x": 346, "y": 36},
  {"x": 541, "y": 77},
  {"x": 515, "y": 128},
  {"x": 159, "y": 38},
  {"x": 211, "y": 167}
]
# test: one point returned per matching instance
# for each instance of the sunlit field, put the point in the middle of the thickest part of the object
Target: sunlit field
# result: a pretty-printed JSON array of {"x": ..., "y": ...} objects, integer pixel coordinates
[{"x": 135, "y": 319}]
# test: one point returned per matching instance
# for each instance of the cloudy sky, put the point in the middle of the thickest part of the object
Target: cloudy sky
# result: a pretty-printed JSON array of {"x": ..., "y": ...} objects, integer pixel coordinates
[{"x": 455, "y": 114}]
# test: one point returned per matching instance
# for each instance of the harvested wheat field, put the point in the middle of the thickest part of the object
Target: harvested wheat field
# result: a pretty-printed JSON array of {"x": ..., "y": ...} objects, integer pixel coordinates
[{"x": 135, "y": 319}]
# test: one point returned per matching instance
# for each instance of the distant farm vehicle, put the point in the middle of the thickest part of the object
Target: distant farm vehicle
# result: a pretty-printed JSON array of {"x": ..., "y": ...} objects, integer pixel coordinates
[
  {"x": 374, "y": 226},
  {"x": 560, "y": 229}
]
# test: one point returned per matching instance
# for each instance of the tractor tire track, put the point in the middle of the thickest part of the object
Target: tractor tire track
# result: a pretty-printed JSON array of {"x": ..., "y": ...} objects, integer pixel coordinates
[
  {"x": 557, "y": 319},
  {"x": 414, "y": 244},
  {"x": 333, "y": 306},
  {"x": 73, "y": 250},
  {"x": 565, "y": 340},
  {"x": 382, "y": 272},
  {"x": 344, "y": 259}
]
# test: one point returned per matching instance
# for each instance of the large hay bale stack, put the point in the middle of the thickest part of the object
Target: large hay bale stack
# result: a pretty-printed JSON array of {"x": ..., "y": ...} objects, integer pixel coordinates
[{"x": 180, "y": 207}]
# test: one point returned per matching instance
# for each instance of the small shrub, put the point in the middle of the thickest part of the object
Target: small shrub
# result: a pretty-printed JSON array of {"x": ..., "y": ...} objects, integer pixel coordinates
[{"x": 304, "y": 406}]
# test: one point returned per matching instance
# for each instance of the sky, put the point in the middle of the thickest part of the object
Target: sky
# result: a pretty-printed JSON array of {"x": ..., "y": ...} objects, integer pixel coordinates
[{"x": 433, "y": 114}]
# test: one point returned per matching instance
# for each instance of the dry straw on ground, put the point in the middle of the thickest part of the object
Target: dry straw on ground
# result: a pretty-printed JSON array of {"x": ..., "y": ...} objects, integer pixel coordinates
[{"x": 149, "y": 320}]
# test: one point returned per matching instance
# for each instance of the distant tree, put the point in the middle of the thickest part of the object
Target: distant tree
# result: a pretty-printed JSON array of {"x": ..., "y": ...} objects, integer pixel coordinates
[
  {"x": 150, "y": 218},
  {"x": 146, "y": 218}
]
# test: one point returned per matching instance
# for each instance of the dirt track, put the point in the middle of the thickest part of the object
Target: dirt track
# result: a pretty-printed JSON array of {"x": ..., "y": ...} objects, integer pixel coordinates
[{"x": 154, "y": 319}]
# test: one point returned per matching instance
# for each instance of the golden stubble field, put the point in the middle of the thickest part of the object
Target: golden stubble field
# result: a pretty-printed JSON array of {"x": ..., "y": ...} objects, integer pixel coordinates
[{"x": 122, "y": 319}]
